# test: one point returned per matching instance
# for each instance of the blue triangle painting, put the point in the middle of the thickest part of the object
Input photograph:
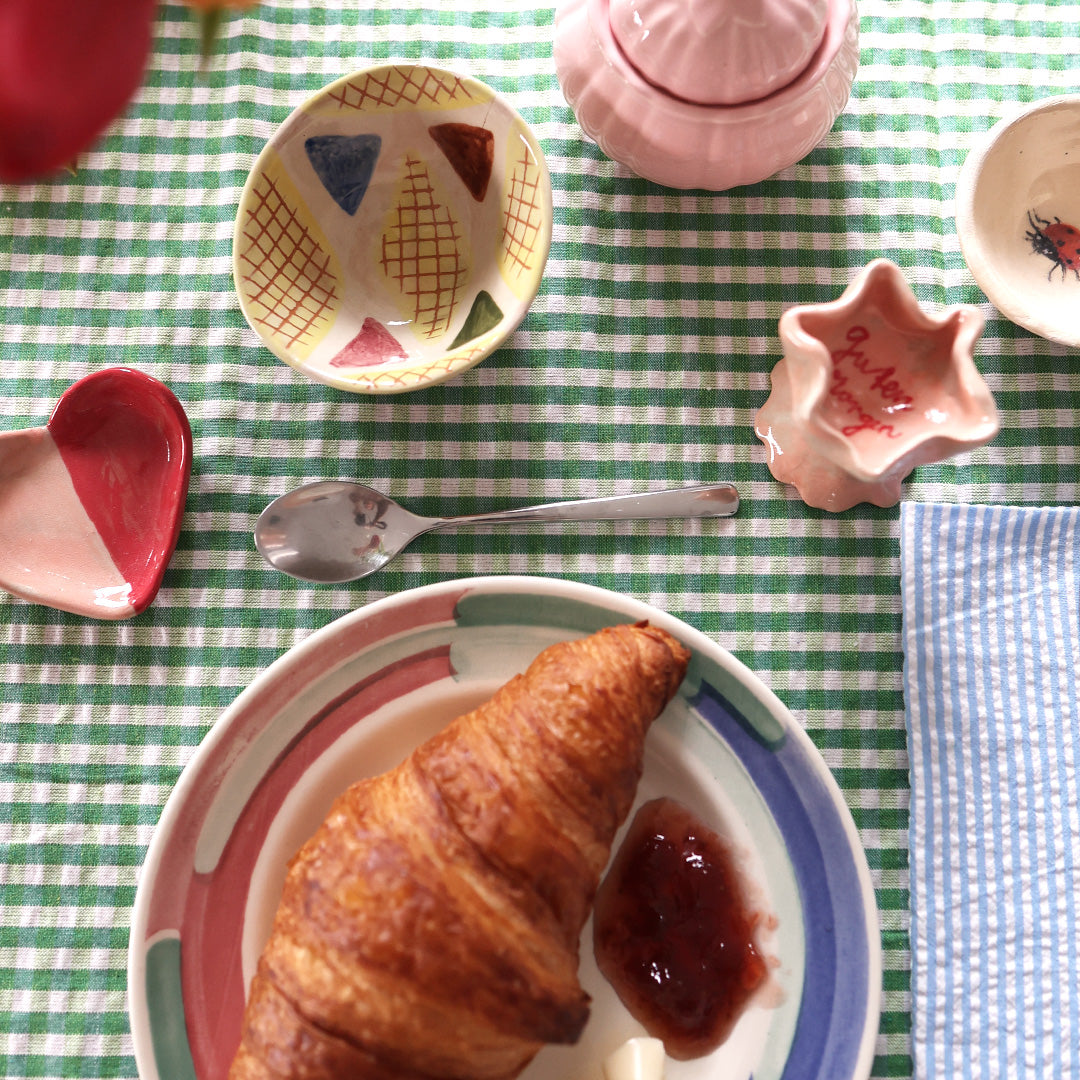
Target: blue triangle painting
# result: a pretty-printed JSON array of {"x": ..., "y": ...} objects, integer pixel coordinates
[{"x": 344, "y": 164}]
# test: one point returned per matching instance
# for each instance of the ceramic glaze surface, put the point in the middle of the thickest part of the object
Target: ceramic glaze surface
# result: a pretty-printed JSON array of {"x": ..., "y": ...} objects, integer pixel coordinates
[
  {"x": 683, "y": 144},
  {"x": 870, "y": 386},
  {"x": 719, "y": 52},
  {"x": 355, "y": 697},
  {"x": 394, "y": 230},
  {"x": 1018, "y": 217},
  {"x": 91, "y": 504}
]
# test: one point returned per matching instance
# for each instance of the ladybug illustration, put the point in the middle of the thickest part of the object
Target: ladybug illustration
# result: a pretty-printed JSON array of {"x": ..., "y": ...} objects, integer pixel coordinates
[{"x": 1059, "y": 242}]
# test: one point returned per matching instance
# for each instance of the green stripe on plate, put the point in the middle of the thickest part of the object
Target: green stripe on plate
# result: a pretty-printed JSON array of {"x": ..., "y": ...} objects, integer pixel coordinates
[{"x": 165, "y": 1002}]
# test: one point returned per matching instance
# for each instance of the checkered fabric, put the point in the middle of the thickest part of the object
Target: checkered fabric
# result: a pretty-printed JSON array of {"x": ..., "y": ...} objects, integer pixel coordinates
[{"x": 641, "y": 364}]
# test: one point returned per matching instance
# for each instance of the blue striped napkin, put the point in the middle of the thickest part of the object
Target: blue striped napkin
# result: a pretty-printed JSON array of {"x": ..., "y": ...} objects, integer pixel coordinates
[{"x": 991, "y": 608}]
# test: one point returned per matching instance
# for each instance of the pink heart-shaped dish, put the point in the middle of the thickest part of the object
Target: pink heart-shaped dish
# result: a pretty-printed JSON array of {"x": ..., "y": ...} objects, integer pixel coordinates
[{"x": 91, "y": 504}]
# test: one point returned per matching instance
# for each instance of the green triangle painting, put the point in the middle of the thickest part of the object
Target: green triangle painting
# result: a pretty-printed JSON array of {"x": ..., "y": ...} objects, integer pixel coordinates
[
  {"x": 344, "y": 164},
  {"x": 484, "y": 315}
]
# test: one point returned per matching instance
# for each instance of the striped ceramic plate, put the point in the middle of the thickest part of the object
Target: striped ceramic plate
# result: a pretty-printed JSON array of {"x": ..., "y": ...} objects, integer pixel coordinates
[{"x": 356, "y": 696}]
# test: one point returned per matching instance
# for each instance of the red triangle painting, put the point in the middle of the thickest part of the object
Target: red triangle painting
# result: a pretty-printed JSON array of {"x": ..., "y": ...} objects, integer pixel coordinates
[
  {"x": 373, "y": 345},
  {"x": 470, "y": 150}
]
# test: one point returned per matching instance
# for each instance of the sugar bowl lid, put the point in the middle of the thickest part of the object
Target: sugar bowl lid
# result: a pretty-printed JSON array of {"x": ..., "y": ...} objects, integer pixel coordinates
[{"x": 719, "y": 52}]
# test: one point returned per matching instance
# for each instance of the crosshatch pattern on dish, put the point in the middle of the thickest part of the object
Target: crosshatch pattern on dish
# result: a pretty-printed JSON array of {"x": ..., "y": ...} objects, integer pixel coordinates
[
  {"x": 402, "y": 245},
  {"x": 422, "y": 253},
  {"x": 403, "y": 85},
  {"x": 288, "y": 277}
]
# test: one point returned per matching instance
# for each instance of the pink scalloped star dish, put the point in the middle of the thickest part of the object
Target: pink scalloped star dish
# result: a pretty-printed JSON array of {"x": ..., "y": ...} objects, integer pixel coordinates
[{"x": 869, "y": 387}]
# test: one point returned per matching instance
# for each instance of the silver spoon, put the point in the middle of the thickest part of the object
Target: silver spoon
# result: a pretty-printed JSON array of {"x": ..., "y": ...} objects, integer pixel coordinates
[{"x": 333, "y": 530}]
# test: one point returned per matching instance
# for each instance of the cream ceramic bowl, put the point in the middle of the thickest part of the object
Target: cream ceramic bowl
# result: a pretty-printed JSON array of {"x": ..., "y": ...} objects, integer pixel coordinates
[
  {"x": 1018, "y": 217},
  {"x": 706, "y": 93},
  {"x": 394, "y": 230}
]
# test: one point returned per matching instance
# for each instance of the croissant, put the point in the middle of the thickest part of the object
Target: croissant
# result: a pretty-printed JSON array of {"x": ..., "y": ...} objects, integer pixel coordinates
[{"x": 430, "y": 927}]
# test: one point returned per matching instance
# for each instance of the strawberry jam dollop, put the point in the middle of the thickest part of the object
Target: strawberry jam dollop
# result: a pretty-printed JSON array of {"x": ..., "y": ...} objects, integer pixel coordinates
[{"x": 673, "y": 933}]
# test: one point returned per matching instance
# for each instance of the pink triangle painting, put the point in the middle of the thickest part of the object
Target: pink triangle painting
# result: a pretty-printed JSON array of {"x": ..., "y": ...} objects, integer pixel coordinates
[{"x": 374, "y": 344}]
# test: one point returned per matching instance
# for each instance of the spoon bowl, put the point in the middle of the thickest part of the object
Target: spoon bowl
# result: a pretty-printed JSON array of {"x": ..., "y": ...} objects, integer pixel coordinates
[{"x": 334, "y": 531}]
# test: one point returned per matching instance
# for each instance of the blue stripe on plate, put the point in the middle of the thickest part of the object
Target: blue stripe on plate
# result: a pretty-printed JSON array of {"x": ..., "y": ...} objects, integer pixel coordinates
[{"x": 833, "y": 1011}]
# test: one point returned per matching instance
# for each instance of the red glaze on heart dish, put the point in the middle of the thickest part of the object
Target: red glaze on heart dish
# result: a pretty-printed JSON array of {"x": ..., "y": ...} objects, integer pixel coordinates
[{"x": 91, "y": 504}]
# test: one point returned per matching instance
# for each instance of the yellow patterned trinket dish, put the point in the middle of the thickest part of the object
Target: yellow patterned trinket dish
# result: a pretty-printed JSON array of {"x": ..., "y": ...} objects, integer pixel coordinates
[{"x": 394, "y": 230}]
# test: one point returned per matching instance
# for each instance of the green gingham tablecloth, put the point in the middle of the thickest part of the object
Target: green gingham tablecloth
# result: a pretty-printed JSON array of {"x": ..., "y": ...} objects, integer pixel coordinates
[{"x": 641, "y": 364}]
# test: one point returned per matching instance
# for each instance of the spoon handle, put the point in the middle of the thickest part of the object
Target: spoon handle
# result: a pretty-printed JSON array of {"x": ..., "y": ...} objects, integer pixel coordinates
[{"x": 702, "y": 501}]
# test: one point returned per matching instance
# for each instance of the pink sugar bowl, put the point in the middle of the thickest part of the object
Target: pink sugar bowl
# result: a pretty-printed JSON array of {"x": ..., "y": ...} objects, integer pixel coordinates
[{"x": 706, "y": 94}]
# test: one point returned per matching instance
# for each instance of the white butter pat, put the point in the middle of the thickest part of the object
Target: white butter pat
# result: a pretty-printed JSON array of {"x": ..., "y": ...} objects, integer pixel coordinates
[{"x": 636, "y": 1059}]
